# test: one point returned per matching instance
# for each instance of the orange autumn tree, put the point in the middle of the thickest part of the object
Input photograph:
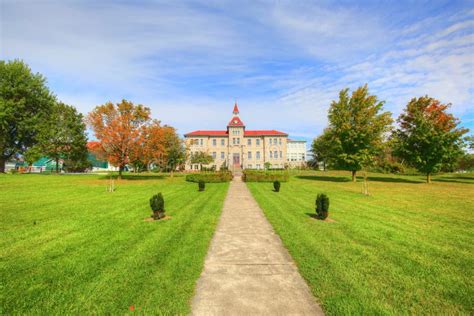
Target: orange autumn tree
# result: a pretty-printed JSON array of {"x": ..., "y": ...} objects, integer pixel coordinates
[
  {"x": 153, "y": 144},
  {"x": 119, "y": 130}
]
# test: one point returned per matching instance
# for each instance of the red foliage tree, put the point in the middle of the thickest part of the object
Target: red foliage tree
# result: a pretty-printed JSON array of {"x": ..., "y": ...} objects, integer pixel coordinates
[{"x": 119, "y": 130}]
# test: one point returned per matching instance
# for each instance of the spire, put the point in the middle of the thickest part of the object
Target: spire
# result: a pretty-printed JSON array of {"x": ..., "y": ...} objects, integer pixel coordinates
[{"x": 236, "y": 109}]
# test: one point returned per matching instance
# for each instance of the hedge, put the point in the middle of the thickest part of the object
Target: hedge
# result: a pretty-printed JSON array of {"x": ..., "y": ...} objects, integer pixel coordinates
[
  {"x": 264, "y": 176},
  {"x": 221, "y": 176}
]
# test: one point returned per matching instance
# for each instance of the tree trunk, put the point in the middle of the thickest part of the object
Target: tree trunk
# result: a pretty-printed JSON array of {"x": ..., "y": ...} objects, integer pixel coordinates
[
  {"x": 57, "y": 165},
  {"x": 324, "y": 165},
  {"x": 428, "y": 178},
  {"x": 120, "y": 172},
  {"x": 2, "y": 165},
  {"x": 354, "y": 176}
]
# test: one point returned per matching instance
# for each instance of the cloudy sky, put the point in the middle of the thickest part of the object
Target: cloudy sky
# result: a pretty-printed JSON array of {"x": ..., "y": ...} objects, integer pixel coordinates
[{"x": 283, "y": 61}]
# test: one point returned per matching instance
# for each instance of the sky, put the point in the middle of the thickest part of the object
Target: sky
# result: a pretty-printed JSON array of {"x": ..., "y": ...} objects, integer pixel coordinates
[{"x": 282, "y": 61}]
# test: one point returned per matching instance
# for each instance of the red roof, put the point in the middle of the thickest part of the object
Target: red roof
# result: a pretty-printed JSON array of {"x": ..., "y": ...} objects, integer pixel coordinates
[
  {"x": 246, "y": 133},
  {"x": 207, "y": 133},
  {"x": 236, "y": 109},
  {"x": 265, "y": 133},
  {"x": 235, "y": 121}
]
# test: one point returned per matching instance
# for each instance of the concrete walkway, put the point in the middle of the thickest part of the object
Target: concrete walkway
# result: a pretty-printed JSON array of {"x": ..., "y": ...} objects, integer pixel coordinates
[{"x": 247, "y": 270}]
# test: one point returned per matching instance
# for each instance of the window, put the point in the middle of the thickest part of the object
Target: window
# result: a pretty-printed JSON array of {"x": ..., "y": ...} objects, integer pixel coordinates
[
  {"x": 249, "y": 155},
  {"x": 257, "y": 142},
  {"x": 275, "y": 154},
  {"x": 214, "y": 154},
  {"x": 249, "y": 142},
  {"x": 233, "y": 141},
  {"x": 201, "y": 141},
  {"x": 274, "y": 141},
  {"x": 281, "y": 154},
  {"x": 222, "y": 142},
  {"x": 222, "y": 155},
  {"x": 271, "y": 154},
  {"x": 258, "y": 166},
  {"x": 238, "y": 141},
  {"x": 214, "y": 142},
  {"x": 249, "y": 166},
  {"x": 257, "y": 155},
  {"x": 279, "y": 141},
  {"x": 196, "y": 167}
]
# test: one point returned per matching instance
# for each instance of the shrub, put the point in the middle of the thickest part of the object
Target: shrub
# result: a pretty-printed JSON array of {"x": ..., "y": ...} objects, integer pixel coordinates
[
  {"x": 276, "y": 186},
  {"x": 322, "y": 206},
  {"x": 157, "y": 204},
  {"x": 221, "y": 176},
  {"x": 202, "y": 185},
  {"x": 264, "y": 176}
]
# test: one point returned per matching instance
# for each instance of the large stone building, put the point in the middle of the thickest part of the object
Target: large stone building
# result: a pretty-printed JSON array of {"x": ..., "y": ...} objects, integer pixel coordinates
[{"x": 237, "y": 148}]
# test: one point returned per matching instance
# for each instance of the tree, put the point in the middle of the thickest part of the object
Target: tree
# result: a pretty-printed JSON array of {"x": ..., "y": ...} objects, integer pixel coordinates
[
  {"x": 153, "y": 143},
  {"x": 322, "y": 148},
  {"x": 428, "y": 137},
  {"x": 175, "y": 153},
  {"x": 201, "y": 158},
  {"x": 357, "y": 126},
  {"x": 466, "y": 162},
  {"x": 63, "y": 136},
  {"x": 25, "y": 102},
  {"x": 119, "y": 130}
]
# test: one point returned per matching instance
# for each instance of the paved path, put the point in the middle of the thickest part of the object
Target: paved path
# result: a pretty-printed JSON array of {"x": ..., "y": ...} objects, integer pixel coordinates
[{"x": 247, "y": 269}]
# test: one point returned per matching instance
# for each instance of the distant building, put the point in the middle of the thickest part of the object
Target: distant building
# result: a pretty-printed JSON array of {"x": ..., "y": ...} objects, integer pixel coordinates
[
  {"x": 237, "y": 148},
  {"x": 296, "y": 153}
]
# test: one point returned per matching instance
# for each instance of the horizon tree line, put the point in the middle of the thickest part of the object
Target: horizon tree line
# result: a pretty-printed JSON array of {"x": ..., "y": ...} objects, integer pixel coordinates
[
  {"x": 360, "y": 133},
  {"x": 34, "y": 123}
]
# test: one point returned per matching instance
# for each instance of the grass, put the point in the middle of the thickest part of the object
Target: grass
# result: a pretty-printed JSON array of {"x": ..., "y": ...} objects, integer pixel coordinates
[
  {"x": 408, "y": 248},
  {"x": 69, "y": 247}
]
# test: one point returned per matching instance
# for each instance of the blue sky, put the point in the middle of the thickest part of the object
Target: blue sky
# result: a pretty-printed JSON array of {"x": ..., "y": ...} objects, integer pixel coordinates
[{"x": 283, "y": 61}]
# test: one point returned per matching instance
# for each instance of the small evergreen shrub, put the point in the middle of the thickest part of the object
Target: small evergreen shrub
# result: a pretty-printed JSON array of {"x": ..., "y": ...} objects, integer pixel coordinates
[
  {"x": 202, "y": 185},
  {"x": 157, "y": 204},
  {"x": 276, "y": 186},
  {"x": 322, "y": 206}
]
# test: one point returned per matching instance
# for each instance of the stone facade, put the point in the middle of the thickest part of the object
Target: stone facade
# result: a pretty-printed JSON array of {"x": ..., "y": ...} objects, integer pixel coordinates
[{"x": 237, "y": 148}]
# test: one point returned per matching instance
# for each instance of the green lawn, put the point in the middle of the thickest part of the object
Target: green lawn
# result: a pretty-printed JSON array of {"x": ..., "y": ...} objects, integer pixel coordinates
[
  {"x": 408, "y": 248},
  {"x": 69, "y": 247}
]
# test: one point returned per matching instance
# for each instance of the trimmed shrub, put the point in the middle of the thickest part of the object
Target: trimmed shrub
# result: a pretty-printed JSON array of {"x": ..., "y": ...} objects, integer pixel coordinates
[
  {"x": 264, "y": 176},
  {"x": 322, "y": 206},
  {"x": 157, "y": 204},
  {"x": 276, "y": 185},
  {"x": 210, "y": 177},
  {"x": 202, "y": 185}
]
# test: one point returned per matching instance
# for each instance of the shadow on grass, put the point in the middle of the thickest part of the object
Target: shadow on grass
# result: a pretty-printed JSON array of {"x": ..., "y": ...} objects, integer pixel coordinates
[
  {"x": 394, "y": 180},
  {"x": 454, "y": 180},
  {"x": 324, "y": 178},
  {"x": 134, "y": 177}
]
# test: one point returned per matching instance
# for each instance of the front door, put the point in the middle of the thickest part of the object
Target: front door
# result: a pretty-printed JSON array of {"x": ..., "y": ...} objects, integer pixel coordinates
[{"x": 236, "y": 159}]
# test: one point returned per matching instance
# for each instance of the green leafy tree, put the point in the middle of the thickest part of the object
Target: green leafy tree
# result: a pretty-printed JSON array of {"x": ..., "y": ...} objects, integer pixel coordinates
[
  {"x": 428, "y": 138},
  {"x": 25, "y": 102},
  {"x": 201, "y": 158},
  {"x": 466, "y": 162},
  {"x": 63, "y": 136},
  {"x": 357, "y": 128},
  {"x": 175, "y": 152},
  {"x": 323, "y": 148}
]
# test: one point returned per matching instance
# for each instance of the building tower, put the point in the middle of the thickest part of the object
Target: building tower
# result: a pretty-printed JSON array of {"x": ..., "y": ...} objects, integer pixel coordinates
[{"x": 236, "y": 130}]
